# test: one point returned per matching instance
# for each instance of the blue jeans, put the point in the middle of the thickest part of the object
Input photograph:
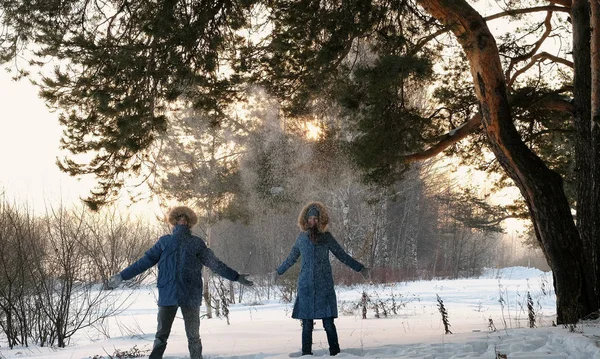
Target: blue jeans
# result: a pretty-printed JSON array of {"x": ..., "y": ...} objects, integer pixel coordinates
[
  {"x": 330, "y": 330},
  {"x": 191, "y": 320}
]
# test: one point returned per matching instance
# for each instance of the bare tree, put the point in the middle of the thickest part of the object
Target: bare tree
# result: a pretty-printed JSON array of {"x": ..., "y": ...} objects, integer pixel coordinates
[
  {"x": 114, "y": 241},
  {"x": 65, "y": 286},
  {"x": 18, "y": 235}
]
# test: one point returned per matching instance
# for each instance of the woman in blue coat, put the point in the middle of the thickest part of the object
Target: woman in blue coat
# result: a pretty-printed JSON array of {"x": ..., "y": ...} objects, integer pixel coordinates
[
  {"x": 180, "y": 257},
  {"x": 316, "y": 297}
]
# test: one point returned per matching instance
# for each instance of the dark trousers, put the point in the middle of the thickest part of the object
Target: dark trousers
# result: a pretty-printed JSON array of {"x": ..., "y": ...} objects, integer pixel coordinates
[
  {"x": 191, "y": 320},
  {"x": 332, "y": 337}
]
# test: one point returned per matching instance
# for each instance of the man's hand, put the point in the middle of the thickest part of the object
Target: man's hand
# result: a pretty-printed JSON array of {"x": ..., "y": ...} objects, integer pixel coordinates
[
  {"x": 243, "y": 280},
  {"x": 114, "y": 281},
  {"x": 366, "y": 273}
]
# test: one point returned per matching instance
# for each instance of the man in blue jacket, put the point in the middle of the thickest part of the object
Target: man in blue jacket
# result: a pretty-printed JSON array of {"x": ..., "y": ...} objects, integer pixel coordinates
[{"x": 180, "y": 257}]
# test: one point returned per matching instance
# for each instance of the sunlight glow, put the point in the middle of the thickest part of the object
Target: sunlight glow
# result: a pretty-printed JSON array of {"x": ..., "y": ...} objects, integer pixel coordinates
[{"x": 312, "y": 130}]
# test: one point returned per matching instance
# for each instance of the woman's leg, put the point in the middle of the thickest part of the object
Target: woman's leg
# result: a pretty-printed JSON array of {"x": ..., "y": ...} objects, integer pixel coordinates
[
  {"x": 166, "y": 315},
  {"x": 332, "y": 337},
  {"x": 307, "y": 329}
]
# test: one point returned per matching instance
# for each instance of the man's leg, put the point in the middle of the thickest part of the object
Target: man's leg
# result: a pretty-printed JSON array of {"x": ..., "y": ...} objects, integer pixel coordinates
[
  {"x": 332, "y": 337},
  {"x": 307, "y": 329},
  {"x": 191, "y": 318},
  {"x": 166, "y": 315}
]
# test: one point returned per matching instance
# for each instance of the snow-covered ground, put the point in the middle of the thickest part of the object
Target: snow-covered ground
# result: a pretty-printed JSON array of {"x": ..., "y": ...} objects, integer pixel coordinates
[{"x": 264, "y": 329}]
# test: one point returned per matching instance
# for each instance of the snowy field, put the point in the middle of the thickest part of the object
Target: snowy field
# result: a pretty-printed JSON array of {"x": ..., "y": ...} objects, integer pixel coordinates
[{"x": 264, "y": 329}]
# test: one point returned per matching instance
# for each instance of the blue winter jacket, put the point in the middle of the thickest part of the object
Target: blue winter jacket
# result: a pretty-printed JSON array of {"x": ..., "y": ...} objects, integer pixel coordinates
[
  {"x": 316, "y": 297},
  {"x": 180, "y": 257}
]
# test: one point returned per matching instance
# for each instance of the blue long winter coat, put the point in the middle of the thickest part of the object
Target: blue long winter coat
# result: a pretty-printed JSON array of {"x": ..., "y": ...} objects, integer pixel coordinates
[
  {"x": 180, "y": 257},
  {"x": 316, "y": 295}
]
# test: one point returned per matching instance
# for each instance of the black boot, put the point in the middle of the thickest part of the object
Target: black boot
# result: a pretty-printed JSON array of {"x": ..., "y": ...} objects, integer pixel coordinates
[
  {"x": 307, "y": 329},
  {"x": 334, "y": 350},
  {"x": 332, "y": 337},
  {"x": 158, "y": 350},
  {"x": 195, "y": 348}
]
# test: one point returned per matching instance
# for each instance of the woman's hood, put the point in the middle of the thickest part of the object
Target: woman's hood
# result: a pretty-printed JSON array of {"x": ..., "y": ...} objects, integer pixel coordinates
[{"x": 323, "y": 216}]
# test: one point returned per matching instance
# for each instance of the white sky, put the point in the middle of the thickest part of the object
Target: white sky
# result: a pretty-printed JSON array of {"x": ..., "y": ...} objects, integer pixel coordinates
[
  {"x": 261, "y": 328},
  {"x": 29, "y": 144}
]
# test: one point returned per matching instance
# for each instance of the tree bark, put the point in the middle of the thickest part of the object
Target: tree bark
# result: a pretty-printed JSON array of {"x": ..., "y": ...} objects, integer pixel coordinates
[
  {"x": 541, "y": 187},
  {"x": 585, "y": 154},
  {"x": 594, "y": 216}
]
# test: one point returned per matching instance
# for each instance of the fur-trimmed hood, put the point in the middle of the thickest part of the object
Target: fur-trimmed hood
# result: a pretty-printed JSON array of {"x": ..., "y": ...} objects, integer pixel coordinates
[
  {"x": 323, "y": 216},
  {"x": 175, "y": 212}
]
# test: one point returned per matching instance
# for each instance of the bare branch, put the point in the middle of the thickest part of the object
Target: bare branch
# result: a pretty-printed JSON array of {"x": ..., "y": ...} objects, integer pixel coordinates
[
  {"x": 535, "y": 59},
  {"x": 530, "y": 10},
  {"x": 452, "y": 137},
  {"x": 421, "y": 43},
  {"x": 550, "y": 8},
  {"x": 557, "y": 104},
  {"x": 514, "y": 61}
]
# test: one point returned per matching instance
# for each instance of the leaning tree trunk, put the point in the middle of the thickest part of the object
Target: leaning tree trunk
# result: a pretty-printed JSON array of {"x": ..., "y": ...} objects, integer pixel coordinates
[{"x": 541, "y": 187}]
